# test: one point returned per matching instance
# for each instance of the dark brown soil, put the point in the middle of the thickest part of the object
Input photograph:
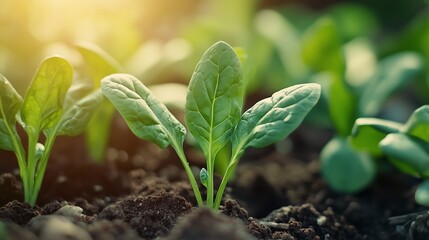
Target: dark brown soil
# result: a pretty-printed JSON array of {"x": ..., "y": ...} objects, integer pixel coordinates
[{"x": 141, "y": 192}]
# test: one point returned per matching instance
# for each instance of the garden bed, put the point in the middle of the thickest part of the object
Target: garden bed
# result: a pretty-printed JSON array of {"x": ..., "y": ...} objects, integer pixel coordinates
[{"x": 141, "y": 192}]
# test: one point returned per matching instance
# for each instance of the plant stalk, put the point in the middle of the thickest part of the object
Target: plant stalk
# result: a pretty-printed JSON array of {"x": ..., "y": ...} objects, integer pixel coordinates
[{"x": 191, "y": 176}]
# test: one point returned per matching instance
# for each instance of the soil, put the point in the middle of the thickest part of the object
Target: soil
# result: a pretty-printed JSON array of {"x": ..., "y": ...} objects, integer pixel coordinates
[{"x": 141, "y": 192}]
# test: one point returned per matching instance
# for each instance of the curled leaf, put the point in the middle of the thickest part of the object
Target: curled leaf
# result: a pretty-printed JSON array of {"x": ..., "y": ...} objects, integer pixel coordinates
[{"x": 146, "y": 116}]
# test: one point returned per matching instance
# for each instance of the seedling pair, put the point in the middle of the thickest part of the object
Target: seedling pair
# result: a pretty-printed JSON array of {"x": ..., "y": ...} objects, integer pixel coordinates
[
  {"x": 46, "y": 109},
  {"x": 212, "y": 114}
]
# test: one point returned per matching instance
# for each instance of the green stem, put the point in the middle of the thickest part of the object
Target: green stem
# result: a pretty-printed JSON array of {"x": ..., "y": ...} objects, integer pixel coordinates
[
  {"x": 20, "y": 155},
  {"x": 222, "y": 185},
  {"x": 40, "y": 173},
  {"x": 31, "y": 166},
  {"x": 191, "y": 176},
  {"x": 210, "y": 182},
  {"x": 225, "y": 179}
]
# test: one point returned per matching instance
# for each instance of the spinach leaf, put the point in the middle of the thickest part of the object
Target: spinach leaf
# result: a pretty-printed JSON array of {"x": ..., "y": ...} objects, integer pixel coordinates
[
  {"x": 274, "y": 118},
  {"x": 345, "y": 169},
  {"x": 215, "y": 98},
  {"x": 393, "y": 73},
  {"x": 98, "y": 64},
  {"x": 5, "y": 140},
  {"x": 43, "y": 104},
  {"x": 10, "y": 103},
  {"x": 78, "y": 115},
  {"x": 408, "y": 153},
  {"x": 147, "y": 117},
  {"x": 418, "y": 123},
  {"x": 368, "y": 132},
  {"x": 322, "y": 52}
]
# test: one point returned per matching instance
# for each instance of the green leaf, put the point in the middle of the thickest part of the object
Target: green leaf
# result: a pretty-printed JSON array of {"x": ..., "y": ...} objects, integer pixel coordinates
[
  {"x": 342, "y": 105},
  {"x": 97, "y": 63},
  {"x": 10, "y": 104},
  {"x": 408, "y": 153},
  {"x": 368, "y": 132},
  {"x": 418, "y": 123},
  {"x": 286, "y": 39},
  {"x": 77, "y": 116},
  {"x": 98, "y": 130},
  {"x": 345, "y": 169},
  {"x": 43, "y": 104},
  {"x": 422, "y": 193},
  {"x": 147, "y": 117},
  {"x": 5, "y": 140},
  {"x": 215, "y": 98},
  {"x": 322, "y": 52},
  {"x": 321, "y": 47},
  {"x": 392, "y": 74},
  {"x": 10, "y": 101},
  {"x": 274, "y": 118}
]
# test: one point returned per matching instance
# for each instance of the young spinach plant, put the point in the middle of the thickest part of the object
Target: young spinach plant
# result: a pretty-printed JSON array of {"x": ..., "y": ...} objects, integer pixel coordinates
[
  {"x": 406, "y": 145},
  {"x": 212, "y": 113},
  {"x": 46, "y": 109},
  {"x": 345, "y": 168}
]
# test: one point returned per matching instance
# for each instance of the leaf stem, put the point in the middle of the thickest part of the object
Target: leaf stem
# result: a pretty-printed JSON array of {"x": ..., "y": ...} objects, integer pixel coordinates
[
  {"x": 191, "y": 176},
  {"x": 31, "y": 165},
  {"x": 40, "y": 172},
  {"x": 20, "y": 155},
  {"x": 210, "y": 184},
  {"x": 226, "y": 177}
]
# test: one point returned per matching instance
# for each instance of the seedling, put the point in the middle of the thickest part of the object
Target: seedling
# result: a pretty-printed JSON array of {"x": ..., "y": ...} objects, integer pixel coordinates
[
  {"x": 45, "y": 109},
  {"x": 212, "y": 113},
  {"x": 406, "y": 145},
  {"x": 345, "y": 168}
]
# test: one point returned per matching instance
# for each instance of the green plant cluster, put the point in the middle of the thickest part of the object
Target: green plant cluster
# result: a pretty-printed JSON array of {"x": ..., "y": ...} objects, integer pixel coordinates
[
  {"x": 47, "y": 109},
  {"x": 405, "y": 144}
]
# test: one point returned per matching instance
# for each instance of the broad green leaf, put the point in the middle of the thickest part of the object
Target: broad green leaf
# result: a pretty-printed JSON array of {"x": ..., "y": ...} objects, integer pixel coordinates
[
  {"x": 98, "y": 130},
  {"x": 393, "y": 73},
  {"x": 409, "y": 154},
  {"x": 353, "y": 20},
  {"x": 10, "y": 101},
  {"x": 418, "y": 123},
  {"x": 368, "y": 132},
  {"x": 274, "y": 118},
  {"x": 342, "y": 105},
  {"x": 345, "y": 169},
  {"x": 43, "y": 104},
  {"x": 215, "y": 98},
  {"x": 285, "y": 37},
  {"x": 97, "y": 63},
  {"x": 10, "y": 104},
  {"x": 422, "y": 193},
  {"x": 322, "y": 52},
  {"x": 321, "y": 47},
  {"x": 147, "y": 117},
  {"x": 76, "y": 118}
]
